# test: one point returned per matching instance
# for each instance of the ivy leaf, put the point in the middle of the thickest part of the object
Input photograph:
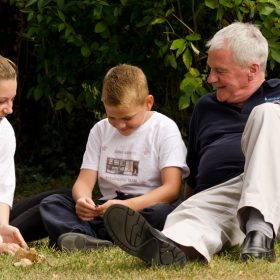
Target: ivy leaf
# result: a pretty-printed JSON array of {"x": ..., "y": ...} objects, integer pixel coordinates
[
  {"x": 275, "y": 54},
  {"x": 85, "y": 51},
  {"x": 266, "y": 10},
  {"x": 178, "y": 44},
  {"x": 60, "y": 4},
  {"x": 193, "y": 37},
  {"x": 59, "y": 105},
  {"x": 227, "y": 3},
  {"x": 212, "y": 4},
  {"x": 187, "y": 58},
  {"x": 237, "y": 2},
  {"x": 158, "y": 21},
  {"x": 100, "y": 27},
  {"x": 184, "y": 101},
  {"x": 170, "y": 60},
  {"x": 61, "y": 15},
  {"x": 41, "y": 6},
  {"x": 38, "y": 93}
]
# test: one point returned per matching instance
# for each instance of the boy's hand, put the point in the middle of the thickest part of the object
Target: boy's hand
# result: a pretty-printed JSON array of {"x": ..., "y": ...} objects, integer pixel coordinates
[
  {"x": 101, "y": 209},
  {"x": 86, "y": 209}
]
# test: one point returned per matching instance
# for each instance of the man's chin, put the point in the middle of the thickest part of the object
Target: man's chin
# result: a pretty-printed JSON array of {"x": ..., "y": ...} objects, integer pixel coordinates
[{"x": 220, "y": 96}]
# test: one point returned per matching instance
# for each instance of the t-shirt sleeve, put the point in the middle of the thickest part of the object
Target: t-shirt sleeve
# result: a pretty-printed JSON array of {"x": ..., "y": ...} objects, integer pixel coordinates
[
  {"x": 172, "y": 151},
  {"x": 7, "y": 167},
  {"x": 92, "y": 153}
]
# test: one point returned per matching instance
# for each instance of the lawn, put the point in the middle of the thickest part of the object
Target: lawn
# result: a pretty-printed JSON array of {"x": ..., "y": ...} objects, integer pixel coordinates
[{"x": 113, "y": 263}]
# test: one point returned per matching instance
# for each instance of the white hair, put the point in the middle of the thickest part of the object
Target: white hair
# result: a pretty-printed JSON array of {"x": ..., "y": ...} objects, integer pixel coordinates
[{"x": 245, "y": 40}]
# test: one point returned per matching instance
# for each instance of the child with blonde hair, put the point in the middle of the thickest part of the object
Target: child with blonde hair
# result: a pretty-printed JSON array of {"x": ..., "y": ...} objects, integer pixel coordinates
[{"x": 135, "y": 155}]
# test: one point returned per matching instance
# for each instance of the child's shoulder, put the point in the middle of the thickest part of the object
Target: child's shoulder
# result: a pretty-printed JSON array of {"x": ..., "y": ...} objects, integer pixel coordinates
[{"x": 161, "y": 118}]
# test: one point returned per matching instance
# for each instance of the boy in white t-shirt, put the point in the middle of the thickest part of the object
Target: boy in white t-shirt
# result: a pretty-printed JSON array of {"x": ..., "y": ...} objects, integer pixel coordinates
[{"x": 136, "y": 156}]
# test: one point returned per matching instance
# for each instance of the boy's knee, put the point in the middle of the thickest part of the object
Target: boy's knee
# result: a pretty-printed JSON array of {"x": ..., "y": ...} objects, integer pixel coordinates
[{"x": 50, "y": 198}]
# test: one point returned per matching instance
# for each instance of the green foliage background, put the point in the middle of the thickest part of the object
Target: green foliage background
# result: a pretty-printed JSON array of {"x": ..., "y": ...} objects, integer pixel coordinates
[{"x": 64, "y": 48}]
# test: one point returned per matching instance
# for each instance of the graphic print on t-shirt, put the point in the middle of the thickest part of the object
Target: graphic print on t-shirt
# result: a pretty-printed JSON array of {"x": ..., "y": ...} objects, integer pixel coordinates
[{"x": 122, "y": 166}]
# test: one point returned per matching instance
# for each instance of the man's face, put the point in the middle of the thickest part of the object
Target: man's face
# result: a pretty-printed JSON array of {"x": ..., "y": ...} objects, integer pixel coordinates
[
  {"x": 230, "y": 79},
  {"x": 8, "y": 90}
]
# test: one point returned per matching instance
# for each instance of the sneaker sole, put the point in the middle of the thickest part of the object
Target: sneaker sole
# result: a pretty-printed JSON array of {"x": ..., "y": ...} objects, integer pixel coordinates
[
  {"x": 132, "y": 233},
  {"x": 76, "y": 241}
]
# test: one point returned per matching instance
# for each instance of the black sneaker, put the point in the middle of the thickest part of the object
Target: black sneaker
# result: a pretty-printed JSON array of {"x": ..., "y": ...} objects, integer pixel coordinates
[
  {"x": 72, "y": 241},
  {"x": 131, "y": 232}
]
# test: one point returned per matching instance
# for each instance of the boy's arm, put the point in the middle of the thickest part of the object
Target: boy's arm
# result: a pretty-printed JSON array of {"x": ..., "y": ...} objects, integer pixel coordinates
[
  {"x": 84, "y": 184},
  {"x": 82, "y": 194},
  {"x": 167, "y": 192}
]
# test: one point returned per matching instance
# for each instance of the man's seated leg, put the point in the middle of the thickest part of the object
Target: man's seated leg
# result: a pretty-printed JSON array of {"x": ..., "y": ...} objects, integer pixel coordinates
[
  {"x": 259, "y": 241},
  {"x": 131, "y": 232},
  {"x": 259, "y": 205}
]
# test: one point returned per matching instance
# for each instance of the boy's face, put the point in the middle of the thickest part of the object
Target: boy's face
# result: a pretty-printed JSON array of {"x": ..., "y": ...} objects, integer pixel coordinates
[
  {"x": 8, "y": 90},
  {"x": 127, "y": 120}
]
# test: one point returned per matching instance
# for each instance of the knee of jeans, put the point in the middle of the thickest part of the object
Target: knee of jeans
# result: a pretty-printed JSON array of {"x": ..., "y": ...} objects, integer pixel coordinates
[
  {"x": 47, "y": 202},
  {"x": 50, "y": 198}
]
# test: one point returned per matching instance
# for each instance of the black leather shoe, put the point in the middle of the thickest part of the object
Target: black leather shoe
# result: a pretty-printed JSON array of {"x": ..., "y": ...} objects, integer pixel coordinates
[
  {"x": 258, "y": 246},
  {"x": 131, "y": 232}
]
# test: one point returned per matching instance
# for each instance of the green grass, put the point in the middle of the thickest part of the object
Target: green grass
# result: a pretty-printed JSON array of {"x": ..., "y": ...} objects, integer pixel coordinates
[{"x": 113, "y": 263}]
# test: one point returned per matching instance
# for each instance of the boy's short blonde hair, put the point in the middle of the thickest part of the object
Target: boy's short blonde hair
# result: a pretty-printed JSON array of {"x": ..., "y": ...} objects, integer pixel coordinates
[
  {"x": 8, "y": 70},
  {"x": 124, "y": 86}
]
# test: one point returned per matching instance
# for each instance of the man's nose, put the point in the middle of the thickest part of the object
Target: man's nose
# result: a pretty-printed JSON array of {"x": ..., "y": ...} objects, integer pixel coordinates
[{"x": 212, "y": 77}]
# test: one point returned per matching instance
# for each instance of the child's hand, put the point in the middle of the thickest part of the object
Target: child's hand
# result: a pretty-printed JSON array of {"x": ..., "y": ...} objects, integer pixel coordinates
[
  {"x": 86, "y": 209},
  {"x": 11, "y": 235},
  {"x": 101, "y": 209},
  {"x": 10, "y": 248}
]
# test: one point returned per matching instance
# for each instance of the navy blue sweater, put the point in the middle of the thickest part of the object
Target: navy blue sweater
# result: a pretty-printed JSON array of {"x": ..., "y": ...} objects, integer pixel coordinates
[{"x": 214, "y": 146}]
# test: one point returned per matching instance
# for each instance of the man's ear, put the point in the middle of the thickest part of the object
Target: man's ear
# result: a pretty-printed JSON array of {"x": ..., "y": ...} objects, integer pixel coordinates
[{"x": 253, "y": 70}]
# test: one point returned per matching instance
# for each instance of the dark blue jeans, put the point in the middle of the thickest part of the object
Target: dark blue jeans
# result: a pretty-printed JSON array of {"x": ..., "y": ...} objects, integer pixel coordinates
[
  {"x": 25, "y": 215},
  {"x": 59, "y": 216}
]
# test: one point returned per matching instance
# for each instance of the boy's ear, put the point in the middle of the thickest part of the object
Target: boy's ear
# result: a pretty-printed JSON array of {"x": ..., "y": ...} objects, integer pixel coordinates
[{"x": 149, "y": 102}]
